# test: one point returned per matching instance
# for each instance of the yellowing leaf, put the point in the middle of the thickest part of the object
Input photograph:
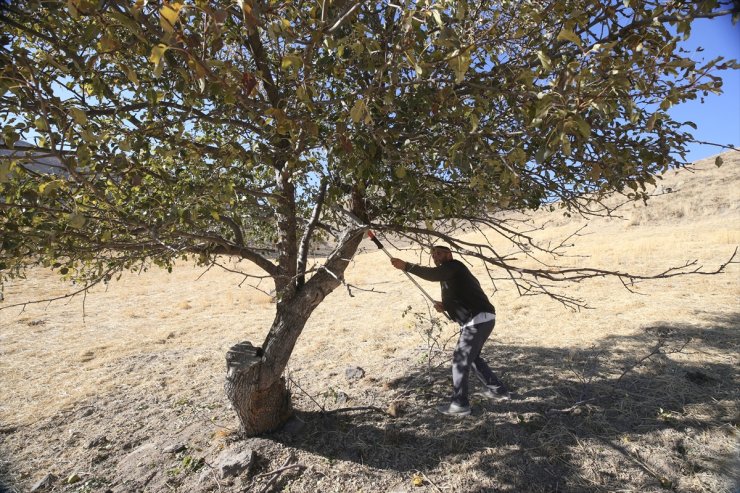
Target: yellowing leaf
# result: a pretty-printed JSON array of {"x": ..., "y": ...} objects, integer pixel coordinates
[
  {"x": 249, "y": 17},
  {"x": 107, "y": 43},
  {"x": 303, "y": 94},
  {"x": 291, "y": 61},
  {"x": 168, "y": 15},
  {"x": 417, "y": 480},
  {"x": 313, "y": 129},
  {"x": 124, "y": 145},
  {"x": 156, "y": 58},
  {"x": 437, "y": 17},
  {"x": 131, "y": 74},
  {"x": 544, "y": 60},
  {"x": 50, "y": 186},
  {"x": 460, "y": 64},
  {"x": 568, "y": 35},
  {"x": 474, "y": 121},
  {"x": 400, "y": 172},
  {"x": 595, "y": 172},
  {"x": 73, "y": 10},
  {"x": 79, "y": 115},
  {"x": 358, "y": 111},
  {"x": 157, "y": 53}
]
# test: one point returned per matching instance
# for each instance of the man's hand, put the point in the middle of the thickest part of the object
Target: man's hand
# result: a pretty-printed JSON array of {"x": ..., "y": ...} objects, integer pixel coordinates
[
  {"x": 439, "y": 307},
  {"x": 398, "y": 263}
]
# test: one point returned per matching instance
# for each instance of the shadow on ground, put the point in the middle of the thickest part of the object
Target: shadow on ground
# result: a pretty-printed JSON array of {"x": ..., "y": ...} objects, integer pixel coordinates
[
  {"x": 654, "y": 412},
  {"x": 627, "y": 413}
]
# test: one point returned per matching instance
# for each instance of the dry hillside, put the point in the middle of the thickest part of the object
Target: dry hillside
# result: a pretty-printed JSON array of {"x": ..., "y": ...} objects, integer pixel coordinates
[{"x": 122, "y": 390}]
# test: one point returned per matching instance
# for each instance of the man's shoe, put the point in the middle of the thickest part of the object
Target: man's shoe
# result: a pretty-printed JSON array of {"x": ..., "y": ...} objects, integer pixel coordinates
[
  {"x": 497, "y": 395},
  {"x": 453, "y": 409}
]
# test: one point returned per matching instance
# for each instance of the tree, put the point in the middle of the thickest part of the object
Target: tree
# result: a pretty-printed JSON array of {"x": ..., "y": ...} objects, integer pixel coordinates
[{"x": 260, "y": 129}]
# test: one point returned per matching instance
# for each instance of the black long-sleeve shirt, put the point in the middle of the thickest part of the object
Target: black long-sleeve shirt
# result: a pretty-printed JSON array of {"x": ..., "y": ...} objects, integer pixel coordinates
[{"x": 462, "y": 296}]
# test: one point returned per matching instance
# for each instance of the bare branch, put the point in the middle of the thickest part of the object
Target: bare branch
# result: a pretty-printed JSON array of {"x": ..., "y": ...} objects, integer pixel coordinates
[
  {"x": 533, "y": 281},
  {"x": 82, "y": 290},
  {"x": 308, "y": 233}
]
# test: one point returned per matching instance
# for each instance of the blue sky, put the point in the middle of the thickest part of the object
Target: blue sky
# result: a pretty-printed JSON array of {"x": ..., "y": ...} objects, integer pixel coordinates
[{"x": 718, "y": 118}]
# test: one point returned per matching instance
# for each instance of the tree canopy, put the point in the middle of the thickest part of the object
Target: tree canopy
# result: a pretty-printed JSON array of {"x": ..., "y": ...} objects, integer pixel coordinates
[{"x": 256, "y": 129}]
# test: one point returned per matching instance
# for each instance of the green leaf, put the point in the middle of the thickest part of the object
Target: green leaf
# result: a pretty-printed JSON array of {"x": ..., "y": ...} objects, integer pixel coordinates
[
  {"x": 77, "y": 221},
  {"x": 78, "y": 115},
  {"x": 543, "y": 153},
  {"x": 40, "y": 124},
  {"x": 5, "y": 171},
  {"x": 583, "y": 127},
  {"x": 10, "y": 136},
  {"x": 651, "y": 122},
  {"x": 107, "y": 43},
  {"x": 131, "y": 74}
]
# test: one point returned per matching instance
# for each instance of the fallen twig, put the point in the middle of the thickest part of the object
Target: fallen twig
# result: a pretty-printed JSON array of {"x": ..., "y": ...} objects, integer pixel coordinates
[
  {"x": 277, "y": 472},
  {"x": 431, "y": 482},
  {"x": 571, "y": 408},
  {"x": 323, "y": 410},
  {"x": 662, "y": 343},
  {"x": 359, "y": 408}
]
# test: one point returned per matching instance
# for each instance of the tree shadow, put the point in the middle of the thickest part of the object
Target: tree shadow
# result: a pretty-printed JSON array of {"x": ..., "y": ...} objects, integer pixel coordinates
[{"x": 581, "y": 419}]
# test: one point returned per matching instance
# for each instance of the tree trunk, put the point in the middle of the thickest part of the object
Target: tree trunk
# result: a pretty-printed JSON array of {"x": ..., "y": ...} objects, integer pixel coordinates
[
  {"x": 254, "y": 382},
  {"x": 260, "y": 408}
]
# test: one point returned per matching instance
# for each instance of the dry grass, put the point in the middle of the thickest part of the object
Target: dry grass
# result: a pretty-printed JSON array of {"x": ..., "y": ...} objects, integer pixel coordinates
[{"x": 142, "y": 363}]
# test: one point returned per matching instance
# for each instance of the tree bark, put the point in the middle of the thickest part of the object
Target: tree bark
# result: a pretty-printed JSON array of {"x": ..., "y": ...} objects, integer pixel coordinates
[
  {"x": 254, "y": 383},
  {"x": 260, "y": 409}
]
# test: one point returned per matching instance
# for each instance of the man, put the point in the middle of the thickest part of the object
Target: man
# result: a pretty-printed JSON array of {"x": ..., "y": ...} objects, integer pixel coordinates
[{"x": 466, "y": 303}]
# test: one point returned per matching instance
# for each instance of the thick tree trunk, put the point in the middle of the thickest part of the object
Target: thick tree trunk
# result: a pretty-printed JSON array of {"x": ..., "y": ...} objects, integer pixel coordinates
[
  {"x": 260, "y": 408},
  {"x": 254, "y": 383}
]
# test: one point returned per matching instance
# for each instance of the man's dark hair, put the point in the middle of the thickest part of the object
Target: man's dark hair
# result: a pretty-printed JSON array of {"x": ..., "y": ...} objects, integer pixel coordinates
[{"x": 442, "y": 247}]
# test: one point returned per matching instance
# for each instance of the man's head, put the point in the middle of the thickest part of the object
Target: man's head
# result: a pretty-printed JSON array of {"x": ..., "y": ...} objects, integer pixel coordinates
[{"x": 441, "y": 254}]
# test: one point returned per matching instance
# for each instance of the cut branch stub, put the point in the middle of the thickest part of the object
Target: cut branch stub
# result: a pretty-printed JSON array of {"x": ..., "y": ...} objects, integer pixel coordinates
[{"x": 262, "y": 409}]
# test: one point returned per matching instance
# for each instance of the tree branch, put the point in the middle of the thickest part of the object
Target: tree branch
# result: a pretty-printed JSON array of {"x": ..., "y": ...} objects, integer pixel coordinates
[{"x": 308, "y": 233}]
